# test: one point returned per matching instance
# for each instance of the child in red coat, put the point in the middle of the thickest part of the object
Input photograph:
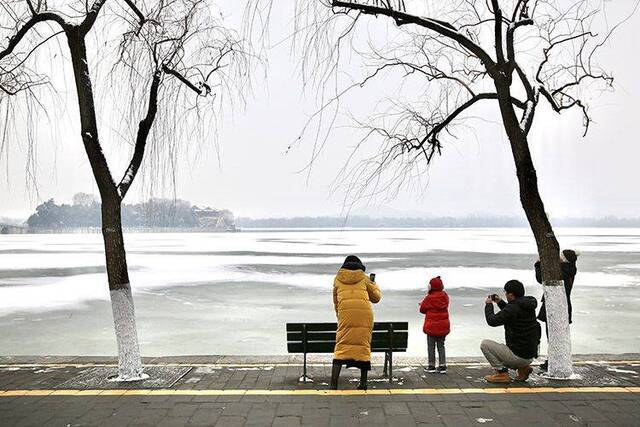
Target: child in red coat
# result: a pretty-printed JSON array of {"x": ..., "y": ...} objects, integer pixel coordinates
[{"x": 435, "y": 307}]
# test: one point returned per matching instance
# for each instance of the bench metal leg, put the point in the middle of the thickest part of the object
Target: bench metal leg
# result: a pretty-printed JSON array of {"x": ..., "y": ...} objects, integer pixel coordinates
[
  {"x": 386, "y": 363},
  {"x": 304, "y": 369},
  {"x": 390, "y": 367}
]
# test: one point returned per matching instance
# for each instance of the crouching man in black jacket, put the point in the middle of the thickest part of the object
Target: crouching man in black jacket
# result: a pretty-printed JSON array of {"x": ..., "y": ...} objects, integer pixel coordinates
[{"x": 521, "y": 331}]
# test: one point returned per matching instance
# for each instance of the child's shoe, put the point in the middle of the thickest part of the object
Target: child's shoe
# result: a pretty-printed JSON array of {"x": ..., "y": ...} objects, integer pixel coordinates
[
  {"x": 431, "y": 369},
  {"x": 442, "y": 369}
]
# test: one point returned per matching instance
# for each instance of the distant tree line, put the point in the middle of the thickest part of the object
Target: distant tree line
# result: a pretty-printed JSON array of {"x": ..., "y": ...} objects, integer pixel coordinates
[
  {"x": 418, "y": 222},
  {"x": 5, "y": 220},
  {"x": 85, "y": 212}
]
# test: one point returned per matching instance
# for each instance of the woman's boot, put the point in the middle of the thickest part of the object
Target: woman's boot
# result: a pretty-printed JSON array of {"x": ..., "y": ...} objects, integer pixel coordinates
[
  {"x": 363, "y": 380},
  {"x": 335, "y": 374}
]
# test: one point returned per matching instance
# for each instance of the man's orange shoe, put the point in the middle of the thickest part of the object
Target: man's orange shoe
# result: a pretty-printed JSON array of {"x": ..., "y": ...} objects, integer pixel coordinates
[
  {"x": 523, "y": 373},
  {"x": 498, "y": 378}
]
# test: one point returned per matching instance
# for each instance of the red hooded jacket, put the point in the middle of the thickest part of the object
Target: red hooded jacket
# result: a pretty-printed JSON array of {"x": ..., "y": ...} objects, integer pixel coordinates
[{"x": 435, "y": 307}]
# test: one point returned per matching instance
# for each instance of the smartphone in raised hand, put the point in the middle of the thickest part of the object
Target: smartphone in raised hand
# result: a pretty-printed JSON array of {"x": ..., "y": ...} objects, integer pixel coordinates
[{"x": 372, "y": 277}]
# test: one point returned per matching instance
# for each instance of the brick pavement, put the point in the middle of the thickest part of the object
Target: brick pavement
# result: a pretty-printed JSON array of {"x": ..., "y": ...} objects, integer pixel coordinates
[{"x": 266, "y": 391}]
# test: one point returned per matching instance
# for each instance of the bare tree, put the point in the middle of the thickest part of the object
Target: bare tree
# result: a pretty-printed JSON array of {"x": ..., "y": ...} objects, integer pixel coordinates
[
  {"x": 169, "y": 60},
  {"x": 455, "y": 55}
]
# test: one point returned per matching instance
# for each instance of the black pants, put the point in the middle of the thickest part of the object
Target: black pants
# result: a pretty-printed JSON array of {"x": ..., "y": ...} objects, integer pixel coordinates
[{"x": 335, "y": 374}]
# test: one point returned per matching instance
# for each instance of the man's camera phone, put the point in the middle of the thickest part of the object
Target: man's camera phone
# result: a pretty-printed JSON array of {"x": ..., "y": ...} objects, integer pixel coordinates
[{"x": 372, "y": 276}]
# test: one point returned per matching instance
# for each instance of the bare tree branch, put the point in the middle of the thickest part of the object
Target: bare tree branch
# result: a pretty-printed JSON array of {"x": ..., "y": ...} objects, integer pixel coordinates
[
  {"x": 203, "y": 90},
  {"x": 497, "y": 13},
  {"x": 511, "y": 29},
  {"x": 141, "y": 18},
  {"x": 432, "y": 136},
  {"x": 141, "y": 139},
  {"x": 440, "y": 27},
  {"x": 566, "y": 103},
  {"x": 91, "y": 16},
  {"x": 22, "y": 31}
]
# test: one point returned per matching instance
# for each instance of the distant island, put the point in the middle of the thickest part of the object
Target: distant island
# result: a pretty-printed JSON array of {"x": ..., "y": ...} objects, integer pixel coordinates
[{"x": 83, "y": 214}]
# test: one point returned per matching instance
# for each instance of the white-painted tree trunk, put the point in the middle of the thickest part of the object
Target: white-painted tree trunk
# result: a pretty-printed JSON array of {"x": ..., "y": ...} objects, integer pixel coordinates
[
  {"x": 129, "y": 361},
  {"x": 559, "y": 352}
]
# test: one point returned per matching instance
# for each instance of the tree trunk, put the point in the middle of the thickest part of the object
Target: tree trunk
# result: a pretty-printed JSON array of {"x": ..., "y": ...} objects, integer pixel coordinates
[
  {"x": 559, "y": 351},
  {"x": 129, "y": 362}
]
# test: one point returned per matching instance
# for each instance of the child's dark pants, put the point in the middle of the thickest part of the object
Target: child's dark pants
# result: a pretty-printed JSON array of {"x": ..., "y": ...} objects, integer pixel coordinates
[{"x": 432, "y": 342}]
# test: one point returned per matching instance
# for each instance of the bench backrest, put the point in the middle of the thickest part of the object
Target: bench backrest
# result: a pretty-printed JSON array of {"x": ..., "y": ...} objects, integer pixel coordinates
[{"x": 321, "y": 337}]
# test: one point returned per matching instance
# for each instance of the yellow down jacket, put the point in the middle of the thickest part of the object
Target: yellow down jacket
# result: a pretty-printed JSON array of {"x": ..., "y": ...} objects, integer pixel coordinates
[{"x": 353, "y": 293}]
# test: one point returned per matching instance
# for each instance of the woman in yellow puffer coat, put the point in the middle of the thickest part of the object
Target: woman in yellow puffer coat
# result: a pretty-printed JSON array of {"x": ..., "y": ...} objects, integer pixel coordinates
[{"x": 353, "y": 293}]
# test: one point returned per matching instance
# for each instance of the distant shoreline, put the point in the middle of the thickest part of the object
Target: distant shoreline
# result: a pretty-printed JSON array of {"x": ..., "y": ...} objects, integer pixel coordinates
[
  {"x": 324, "y": 222},
  {"x": 94, "y": 230}
]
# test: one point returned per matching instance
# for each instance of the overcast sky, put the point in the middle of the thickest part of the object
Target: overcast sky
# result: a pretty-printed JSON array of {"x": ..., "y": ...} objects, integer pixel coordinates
[{"x": 252, "y": 174}]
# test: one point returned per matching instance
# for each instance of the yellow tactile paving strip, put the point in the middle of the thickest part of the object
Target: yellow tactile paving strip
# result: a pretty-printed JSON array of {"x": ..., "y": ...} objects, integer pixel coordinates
[
  {"x": 270, "y": 365},
  {"x": 433, "y": 391}
]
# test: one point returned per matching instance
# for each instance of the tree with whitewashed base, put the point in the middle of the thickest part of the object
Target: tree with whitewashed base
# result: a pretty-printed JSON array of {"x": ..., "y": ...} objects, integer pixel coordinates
[
  {"x": 448, "y": 58},
  {"x": 163, "y": 66}
]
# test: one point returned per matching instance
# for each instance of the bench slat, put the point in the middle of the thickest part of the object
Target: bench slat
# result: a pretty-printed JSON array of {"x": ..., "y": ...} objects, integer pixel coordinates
[
  {"x": 312, "y": 327},
  {"x": 327, "y": 327},
  {"x": 397, "y": 326},
  {"x": 314, "y": 347},
  {"x": 328, "y": 347},
  {"x": 331, "y": 327},
  {"x": 331, "y": 336},
  {"x": 399, "y": 340},
  {"x": 398, "y": 345}
]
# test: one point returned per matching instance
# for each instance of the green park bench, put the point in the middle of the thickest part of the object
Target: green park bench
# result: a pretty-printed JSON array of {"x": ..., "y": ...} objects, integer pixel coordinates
[{"x": 387, "y": 338}]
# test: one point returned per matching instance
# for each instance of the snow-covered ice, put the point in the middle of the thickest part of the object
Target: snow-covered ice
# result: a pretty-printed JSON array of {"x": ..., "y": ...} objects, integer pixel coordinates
[{"x": 189, "y": 285}]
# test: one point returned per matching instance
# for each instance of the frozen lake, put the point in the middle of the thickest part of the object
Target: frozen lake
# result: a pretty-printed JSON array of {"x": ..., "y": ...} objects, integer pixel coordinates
[{"x": 232, "y": 293}]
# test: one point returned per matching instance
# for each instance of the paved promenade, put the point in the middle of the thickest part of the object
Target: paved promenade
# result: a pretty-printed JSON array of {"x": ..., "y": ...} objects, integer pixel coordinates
[{"x": 238, "y": 391}]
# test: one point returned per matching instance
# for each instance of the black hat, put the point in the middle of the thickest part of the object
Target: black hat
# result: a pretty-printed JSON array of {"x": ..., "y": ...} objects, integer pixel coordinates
[
  {"x": 570, "y": 255},
  {"x": 352, "y": 262}
]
